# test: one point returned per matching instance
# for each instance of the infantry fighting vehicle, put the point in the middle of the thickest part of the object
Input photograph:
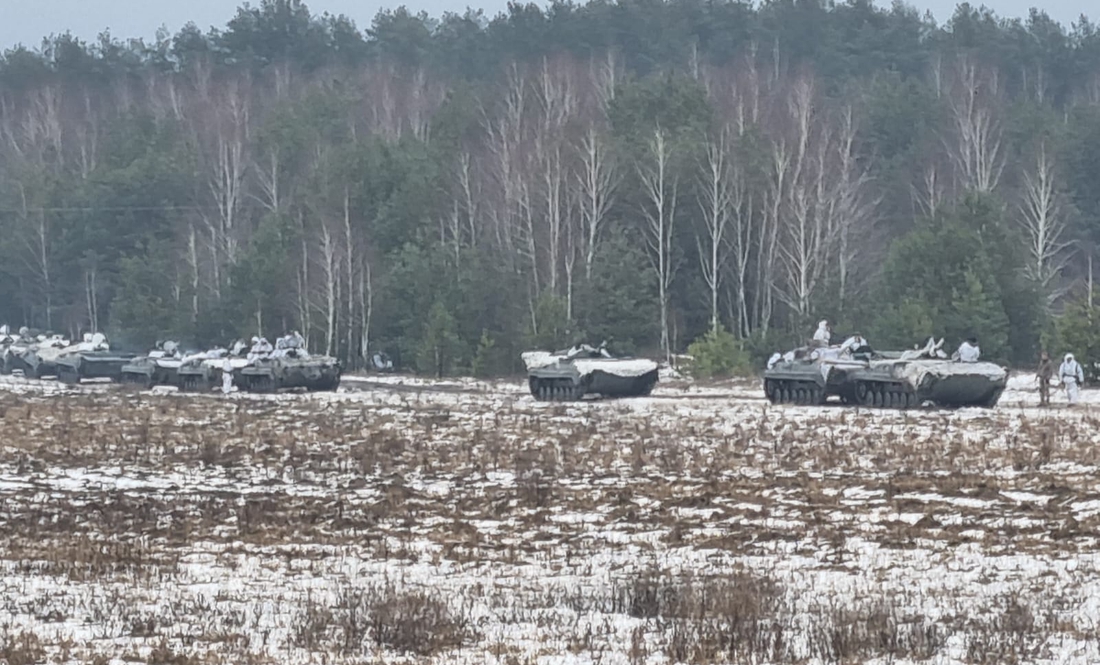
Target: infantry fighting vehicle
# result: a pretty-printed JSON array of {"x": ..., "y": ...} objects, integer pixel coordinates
[
  {"x": 159, "y": 367},
  {"x": 289, "y": 368},
  {"x": 203, "y": 371},
  {"x": 37, "y": 357},
  {"x": 584, "y": 370},
  {"x": 891, "y": 379},
  {"x": 89, "y": 359}
]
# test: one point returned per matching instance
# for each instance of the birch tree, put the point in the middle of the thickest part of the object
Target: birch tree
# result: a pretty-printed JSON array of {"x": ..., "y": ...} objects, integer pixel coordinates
[
  {"x": 1043, "y": 221},
  {"x": 808, "y": 210},
  {"x": 597, "y": 181},
  {"x": 221, "y": 126},
  {"x": 742, "y": 233},
  {"x": 328, "y": 305},
  {"x": 660, "y": 183},
  {"x": 852, "y": 207},
  {"x": 975, "y": 144},
  {"x": 715, "y": 203}
]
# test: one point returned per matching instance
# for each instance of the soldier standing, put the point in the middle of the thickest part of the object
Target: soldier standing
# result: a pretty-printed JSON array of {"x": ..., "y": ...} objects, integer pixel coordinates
[
  {"x": 1072, "y": 377},
  {"x": 1045, "y": 373}
]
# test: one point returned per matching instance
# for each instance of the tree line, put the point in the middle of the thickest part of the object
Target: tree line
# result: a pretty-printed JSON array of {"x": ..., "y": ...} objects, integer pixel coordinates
[{"x": 455, "y": 190}]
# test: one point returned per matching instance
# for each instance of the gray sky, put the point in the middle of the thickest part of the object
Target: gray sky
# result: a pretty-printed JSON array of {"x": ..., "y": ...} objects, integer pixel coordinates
[{"x": 27, "y": 21}]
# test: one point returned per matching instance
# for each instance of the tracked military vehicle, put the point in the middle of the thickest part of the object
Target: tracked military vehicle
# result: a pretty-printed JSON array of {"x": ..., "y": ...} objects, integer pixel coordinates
[
  {"x": 889, "y": 379},
  {"x": 90, "y": 359},
  {"x": 802, "y": 376},
  {"x": 289, "y": 368},
  {"x": 158, "y": 368},
  {"x": 584, "y": 370},
  {"x": 37, "y": 358},
  {"x": 202, "y": 372}
]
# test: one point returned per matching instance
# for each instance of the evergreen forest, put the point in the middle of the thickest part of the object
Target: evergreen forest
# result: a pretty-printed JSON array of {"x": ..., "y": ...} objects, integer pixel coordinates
[{"x": 454, "y": 190}]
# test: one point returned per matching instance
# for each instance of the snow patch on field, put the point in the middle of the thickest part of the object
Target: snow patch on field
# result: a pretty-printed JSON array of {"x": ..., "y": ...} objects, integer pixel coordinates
[{"x": 228, "y": 529}]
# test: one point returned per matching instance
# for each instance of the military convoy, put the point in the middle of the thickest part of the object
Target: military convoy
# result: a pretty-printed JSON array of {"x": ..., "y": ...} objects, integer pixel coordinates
[
  {"x": 583, "y": 370},
  {"x": 853, "y": 373},
  {"x": 259, "y": 368},
  {"x": 888, "y": 379}
]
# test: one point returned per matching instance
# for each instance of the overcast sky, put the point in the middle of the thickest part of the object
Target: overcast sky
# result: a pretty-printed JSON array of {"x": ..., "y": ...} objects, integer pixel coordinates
[{"x": 27, "y": 21}]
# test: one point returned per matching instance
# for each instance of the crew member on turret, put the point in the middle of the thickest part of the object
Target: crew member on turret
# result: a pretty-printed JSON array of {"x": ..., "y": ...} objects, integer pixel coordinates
[
  {"x": 821, "y": 337},
  {"x": 968, "y": 351},
  {"x": 855, "y": 344},
  {"x": 775, "y": 358}
]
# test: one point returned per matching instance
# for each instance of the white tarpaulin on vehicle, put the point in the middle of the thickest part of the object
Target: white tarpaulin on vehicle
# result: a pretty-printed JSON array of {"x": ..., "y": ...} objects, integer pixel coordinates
[{"x": 619, "y": 366}]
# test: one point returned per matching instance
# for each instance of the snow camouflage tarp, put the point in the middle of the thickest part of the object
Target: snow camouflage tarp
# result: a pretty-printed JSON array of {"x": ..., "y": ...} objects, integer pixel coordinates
[{"x": 584, "y": 370}]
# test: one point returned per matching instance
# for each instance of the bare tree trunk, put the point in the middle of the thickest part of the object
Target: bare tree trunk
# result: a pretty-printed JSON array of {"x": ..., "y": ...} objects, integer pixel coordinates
[
  {"x": 824, "y": 200},
  {"x": 305, "y": 317},
  {"x": 852, "y": 211},
  {"x": 558, "y": 101},
  {"x": 552, "y": 183},
  {"x": 222, "y": 128},
  {"x": 572, "y": 250},
  {"x": 743, "y": 214},
  {"x": 975, "y": 146},
  {"x": 330, "y": 270},
  {"x": 660, "y": 186},
  {"x": 504, "y": 138},
  {"x": 193, "y": 264},
  {"x": 91, "y": 291},
  {"x": 768, "y": 239},
  {"x": 366, "y": 309},
  {"x": 715, "y": 205},
  {"x": 469, "y": 197},
  {"x": 596, "y": 182},
  {"x": 349, "y": 257},
  {"x": 1043, "y": 224},
  {"x": 38, "y": 254},
  {"x": 929, "y": 194}
]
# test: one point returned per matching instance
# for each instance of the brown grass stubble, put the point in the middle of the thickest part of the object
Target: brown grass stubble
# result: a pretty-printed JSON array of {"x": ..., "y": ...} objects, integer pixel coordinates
[{"x": 658, "y": 466}]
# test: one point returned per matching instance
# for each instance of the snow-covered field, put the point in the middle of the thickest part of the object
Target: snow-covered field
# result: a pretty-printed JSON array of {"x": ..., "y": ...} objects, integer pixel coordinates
[{"x": 404, "y": 520}]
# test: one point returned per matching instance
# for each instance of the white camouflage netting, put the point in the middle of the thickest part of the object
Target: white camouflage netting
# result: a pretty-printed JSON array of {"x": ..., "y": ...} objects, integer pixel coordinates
[
  {"x": 916, "y": 372},
  {"x": 621, "y": 367}
]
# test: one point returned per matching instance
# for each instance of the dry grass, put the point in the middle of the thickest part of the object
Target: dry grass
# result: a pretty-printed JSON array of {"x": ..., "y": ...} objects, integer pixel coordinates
[{"x": 408, "y": 528}]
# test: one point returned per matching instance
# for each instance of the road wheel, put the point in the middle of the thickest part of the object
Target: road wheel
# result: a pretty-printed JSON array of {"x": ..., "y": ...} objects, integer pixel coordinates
[
  {"x": 863, "y": 394},
  {"x": 768, "y": 390}
]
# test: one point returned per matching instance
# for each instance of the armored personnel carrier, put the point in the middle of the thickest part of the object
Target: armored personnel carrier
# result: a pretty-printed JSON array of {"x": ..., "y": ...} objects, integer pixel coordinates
[
  {"x": 289, "y": 368},
  {"x": 890, "y": 379},
  {"x": 159, "y": 367},
  {"x": 90, "y": 359},
  {"x": 802, "y": 376},
  {"x": 37, "y": 357},
  {"x": 202, "y": 372},
  {"x": 584, "y": 370}
]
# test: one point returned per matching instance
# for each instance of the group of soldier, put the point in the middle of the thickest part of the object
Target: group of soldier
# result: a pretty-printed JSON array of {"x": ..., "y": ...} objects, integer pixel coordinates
[{"x": 1070, "y": 375}]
